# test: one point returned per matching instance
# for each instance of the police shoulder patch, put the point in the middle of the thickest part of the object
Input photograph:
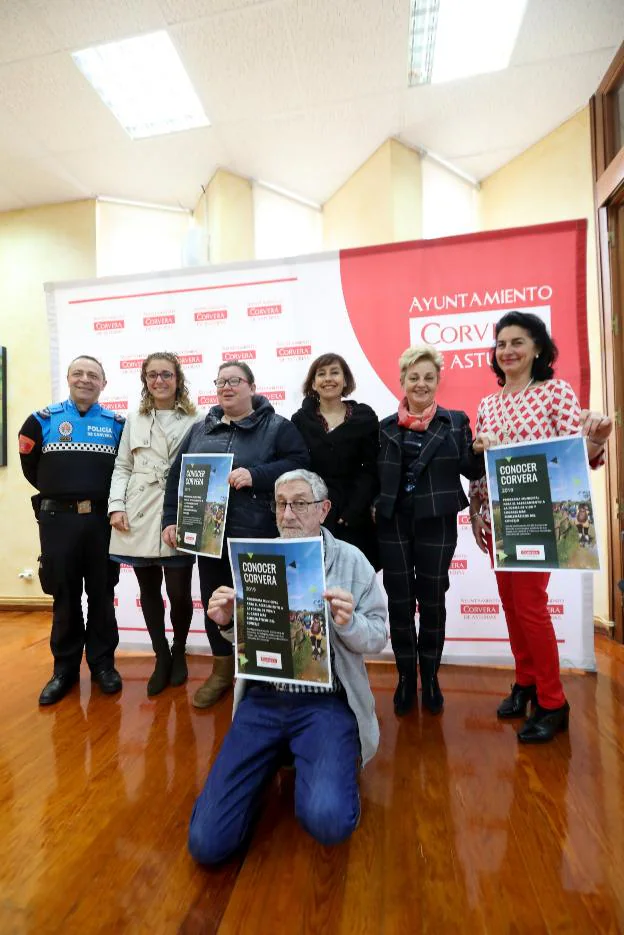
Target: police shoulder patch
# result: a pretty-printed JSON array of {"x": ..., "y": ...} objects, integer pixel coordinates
[{"x": 44, "y": 413}]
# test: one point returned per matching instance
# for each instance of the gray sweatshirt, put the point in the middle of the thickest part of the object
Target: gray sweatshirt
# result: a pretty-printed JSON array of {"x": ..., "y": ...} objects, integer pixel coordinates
[{"x": 346, "y": 567}]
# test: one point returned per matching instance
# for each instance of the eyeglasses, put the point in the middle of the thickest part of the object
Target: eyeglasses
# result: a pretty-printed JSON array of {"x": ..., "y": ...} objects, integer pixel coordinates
[
  {"x": 152, "y": 375},
  {"x": 297, "y": 506},
  {"x": 220, "y": 382}
]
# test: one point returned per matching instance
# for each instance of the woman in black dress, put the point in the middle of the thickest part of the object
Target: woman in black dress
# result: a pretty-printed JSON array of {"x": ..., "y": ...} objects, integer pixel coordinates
[{"x": 343, "y": 440}]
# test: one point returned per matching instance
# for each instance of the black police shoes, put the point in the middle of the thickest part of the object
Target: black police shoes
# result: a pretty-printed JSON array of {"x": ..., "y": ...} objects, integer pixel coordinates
[
  {"x": 515, "y": 704},
  {"x": 544, "y": 723},
  {"x": 109, "y": 680},
  {"x": 57, "y": 688}
]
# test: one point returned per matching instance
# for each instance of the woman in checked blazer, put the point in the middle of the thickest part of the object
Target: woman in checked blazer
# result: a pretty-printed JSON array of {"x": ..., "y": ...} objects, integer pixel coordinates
[{"x": 424, "y": 450}]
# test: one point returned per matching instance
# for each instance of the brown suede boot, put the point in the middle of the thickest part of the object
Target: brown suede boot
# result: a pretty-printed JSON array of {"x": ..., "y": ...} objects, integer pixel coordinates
[{"x": 217, "y": 684}]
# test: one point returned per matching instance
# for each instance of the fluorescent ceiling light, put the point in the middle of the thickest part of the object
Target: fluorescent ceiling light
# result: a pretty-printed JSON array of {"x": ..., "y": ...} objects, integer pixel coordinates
[
  {"x": 143, "y": 82},
  {"x": 451, "y": 39}
]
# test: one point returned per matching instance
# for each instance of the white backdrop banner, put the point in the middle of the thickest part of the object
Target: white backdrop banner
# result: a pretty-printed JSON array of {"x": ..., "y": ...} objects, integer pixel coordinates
[{"x": 278, "y": 316}]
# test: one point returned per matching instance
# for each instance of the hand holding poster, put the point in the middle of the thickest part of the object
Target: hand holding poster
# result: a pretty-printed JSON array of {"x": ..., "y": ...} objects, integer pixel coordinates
[
  {"x": 281, "y": 623},
  {"x": 203, "y": 495},
  {"x": 541, "y": 508}
]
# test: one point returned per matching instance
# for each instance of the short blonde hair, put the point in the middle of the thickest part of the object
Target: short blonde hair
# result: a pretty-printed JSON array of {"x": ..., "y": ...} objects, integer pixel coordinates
[{"x": 412, "y": 355}]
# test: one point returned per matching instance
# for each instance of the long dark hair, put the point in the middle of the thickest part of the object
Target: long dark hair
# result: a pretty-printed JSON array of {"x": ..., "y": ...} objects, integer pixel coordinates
[
  {"x": 324, "y": 361},
  {"x": 182, "y": 399},
  {"x": 542, "y": 368}
]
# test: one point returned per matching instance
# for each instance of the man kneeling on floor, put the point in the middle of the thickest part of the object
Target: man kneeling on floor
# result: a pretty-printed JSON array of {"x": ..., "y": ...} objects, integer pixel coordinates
[{"x": 328, "y": 731}]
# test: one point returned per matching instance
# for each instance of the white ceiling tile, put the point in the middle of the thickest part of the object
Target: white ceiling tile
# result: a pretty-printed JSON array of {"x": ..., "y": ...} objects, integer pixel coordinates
[
  {"x": 39, "y": 181},
  {"x": 241, "y": 63},
  {"x": 293, "y": 150},
  {"x": 553, "y": 28},
  {"x": 168, "y": 169},
  {"x": 349, "y": 50},
  {"x": 55, "y": 103},
  {"x": 182, "y": 11},
  {"x": 512, "y": 110},
  {"x": 9, "y": 200},
  {"x": 79, "y": 23},
  {"x": 23, "y": 32}
]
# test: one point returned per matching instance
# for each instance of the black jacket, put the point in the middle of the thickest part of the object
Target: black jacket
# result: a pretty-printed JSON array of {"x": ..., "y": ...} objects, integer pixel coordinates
[
  {"x": 446, "y": 454},
  {"x": 346, "y": 459},
  {"x": 266, "y": 444}
]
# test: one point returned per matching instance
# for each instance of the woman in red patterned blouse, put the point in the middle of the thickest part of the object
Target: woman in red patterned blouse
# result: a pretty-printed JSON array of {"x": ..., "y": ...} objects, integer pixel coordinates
[{"x": 530, "y": 405}]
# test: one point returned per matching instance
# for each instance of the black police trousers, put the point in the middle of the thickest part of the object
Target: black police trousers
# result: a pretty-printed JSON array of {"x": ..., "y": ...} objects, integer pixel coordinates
[{"x": 74, "y": 552}]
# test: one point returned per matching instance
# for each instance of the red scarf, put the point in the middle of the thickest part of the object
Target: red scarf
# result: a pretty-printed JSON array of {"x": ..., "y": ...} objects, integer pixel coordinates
[{"x": 408, "y": 420}]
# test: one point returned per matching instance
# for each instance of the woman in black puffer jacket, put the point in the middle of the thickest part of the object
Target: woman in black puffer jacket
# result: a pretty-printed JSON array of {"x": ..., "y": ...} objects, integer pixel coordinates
[{"x": 265, "y": 446}]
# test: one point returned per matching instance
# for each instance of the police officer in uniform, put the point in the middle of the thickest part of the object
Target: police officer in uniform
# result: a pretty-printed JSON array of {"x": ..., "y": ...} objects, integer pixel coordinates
[{"x": 68, "y": 452}]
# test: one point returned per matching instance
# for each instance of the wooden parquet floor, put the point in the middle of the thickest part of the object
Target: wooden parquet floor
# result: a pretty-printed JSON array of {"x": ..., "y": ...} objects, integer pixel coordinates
[{"x": 462, "y": 829}]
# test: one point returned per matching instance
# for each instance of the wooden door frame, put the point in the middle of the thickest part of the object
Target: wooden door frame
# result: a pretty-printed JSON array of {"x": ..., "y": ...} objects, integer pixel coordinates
[{"x": 608, "y": 170}]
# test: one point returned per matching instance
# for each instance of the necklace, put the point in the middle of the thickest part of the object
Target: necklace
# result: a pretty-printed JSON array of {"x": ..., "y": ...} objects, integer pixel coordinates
[{"x": 508, "y": 428}]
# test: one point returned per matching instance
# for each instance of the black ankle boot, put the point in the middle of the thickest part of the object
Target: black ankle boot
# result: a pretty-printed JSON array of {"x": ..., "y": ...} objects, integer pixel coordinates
[
  {"x": 160, "y": 677},
  {"x": 405, "y": 694},
  {"x": 179, "y": 671},
  {"x": 544, "y": 723},
  {"x": 515, "y": 704},
  {"x": 432, "y": 697}
]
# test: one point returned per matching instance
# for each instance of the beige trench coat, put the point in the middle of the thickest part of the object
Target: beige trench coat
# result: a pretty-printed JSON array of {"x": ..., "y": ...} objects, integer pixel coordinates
[{"x": 139, "y": 479}]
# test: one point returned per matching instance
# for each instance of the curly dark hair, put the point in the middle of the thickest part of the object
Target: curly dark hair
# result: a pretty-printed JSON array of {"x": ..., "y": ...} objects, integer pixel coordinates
[
  {"x": 324, "y": 361},
  {"x": 542, "y": 368},
  {"x": 182, "y": 398}
]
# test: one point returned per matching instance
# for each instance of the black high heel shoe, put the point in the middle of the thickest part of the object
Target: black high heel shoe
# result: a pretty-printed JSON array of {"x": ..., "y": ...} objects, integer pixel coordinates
[
  {"x": 544, "y": 723},
  {"x": 515, "y": 704}
]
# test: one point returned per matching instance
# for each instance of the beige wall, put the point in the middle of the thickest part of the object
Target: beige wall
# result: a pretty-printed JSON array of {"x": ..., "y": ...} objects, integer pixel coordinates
[
  {"x": 380, "y": 203},
  {"x": 139, "y": 238},
  {"x": 38, "y": 245},
  {"x": 552, "y": 181},
  {"x": 225, "y": 211}
]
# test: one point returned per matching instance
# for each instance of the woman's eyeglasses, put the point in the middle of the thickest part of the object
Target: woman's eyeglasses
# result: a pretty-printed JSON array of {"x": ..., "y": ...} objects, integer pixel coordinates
[
  {"x": 152, "y": 375},
  {"x": 297, "y": 506},
  {"x": 220, "y": 382}
]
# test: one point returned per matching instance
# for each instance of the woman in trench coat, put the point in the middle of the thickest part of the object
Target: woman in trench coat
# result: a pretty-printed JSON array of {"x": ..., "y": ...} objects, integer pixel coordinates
[{"x": 150, "y": 441}]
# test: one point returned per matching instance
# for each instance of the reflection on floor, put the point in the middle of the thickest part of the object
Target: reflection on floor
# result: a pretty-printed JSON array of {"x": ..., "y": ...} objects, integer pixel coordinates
[{"x": 462, "y": 829}]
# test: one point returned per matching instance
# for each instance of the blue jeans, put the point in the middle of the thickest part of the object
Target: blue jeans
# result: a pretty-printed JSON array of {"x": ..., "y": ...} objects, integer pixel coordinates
[{"x": 322, "y": 735}]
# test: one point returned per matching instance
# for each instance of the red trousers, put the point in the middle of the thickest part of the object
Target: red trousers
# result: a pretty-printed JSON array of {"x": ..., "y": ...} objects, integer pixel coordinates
[{"x": 524, "y": 598}]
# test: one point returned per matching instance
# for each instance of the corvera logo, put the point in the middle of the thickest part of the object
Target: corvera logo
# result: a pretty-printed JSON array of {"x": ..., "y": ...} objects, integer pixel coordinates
[
  {"x": 530, "y": 553},
  {"x": 207, "y": 399},
  {"x": 155, "y": 321},
  {"x": 190, "y": 359},
  {"x": 133, "y": 363},
  {"x": 243, "y": 354},
  {"x": 555, "y": 609},
  {"x": 116, "y": 405},
  {"x": 295, "y": 350},
  {"x": 274, "y": 395},
  {"x": 109, "y": 324},
  {"x": 197, "y": 604},
  {"x": 210, "y": 314},
  {"x": 261, "y": 311},
  {"x": 479, "y": 608},
  {"x": 268, "y": 660}
]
